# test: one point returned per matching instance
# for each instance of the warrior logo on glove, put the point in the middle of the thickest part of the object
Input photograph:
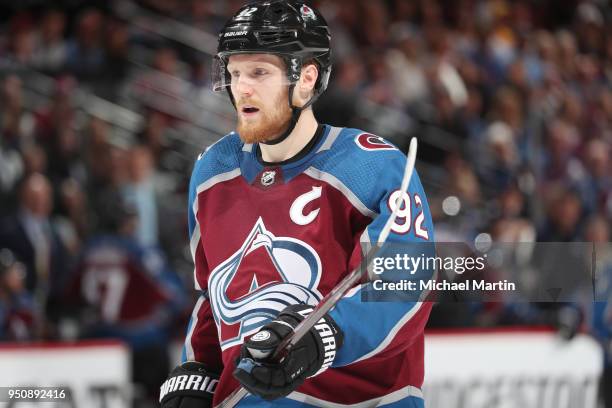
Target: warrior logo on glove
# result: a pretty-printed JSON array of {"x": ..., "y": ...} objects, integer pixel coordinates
[
  {"x": 328, "y": 338},
  {"x": 190, "y": 385}
]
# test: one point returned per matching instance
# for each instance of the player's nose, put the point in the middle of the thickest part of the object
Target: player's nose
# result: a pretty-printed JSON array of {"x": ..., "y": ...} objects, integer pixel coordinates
[{"x": 244, "y": 87}]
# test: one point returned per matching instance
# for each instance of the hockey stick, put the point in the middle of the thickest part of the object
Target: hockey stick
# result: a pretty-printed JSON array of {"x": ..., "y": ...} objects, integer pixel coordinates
[{"x": 329, "y": 301}]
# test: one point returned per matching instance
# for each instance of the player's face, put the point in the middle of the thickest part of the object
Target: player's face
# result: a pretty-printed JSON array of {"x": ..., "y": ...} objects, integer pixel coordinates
[{"x": 259, "y": 85}]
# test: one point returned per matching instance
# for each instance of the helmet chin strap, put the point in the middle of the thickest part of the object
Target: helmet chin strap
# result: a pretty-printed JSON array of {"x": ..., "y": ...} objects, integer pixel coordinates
[{"x": 295, "y": 116}]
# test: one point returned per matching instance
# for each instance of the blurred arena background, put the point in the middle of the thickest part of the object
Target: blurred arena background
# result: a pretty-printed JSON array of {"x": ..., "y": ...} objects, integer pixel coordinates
[{"x": 105, "y": 105}]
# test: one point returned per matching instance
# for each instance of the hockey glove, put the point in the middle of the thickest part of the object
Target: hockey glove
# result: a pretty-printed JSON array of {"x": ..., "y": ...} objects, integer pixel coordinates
[
  {"x": 313, "y": 354},
  {"x": 189, "y": 385}
]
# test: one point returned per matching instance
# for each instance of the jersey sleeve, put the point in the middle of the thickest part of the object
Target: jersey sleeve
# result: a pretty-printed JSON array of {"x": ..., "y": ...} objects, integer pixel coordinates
[
  {"x": 201, "y": 341},
  {"x": 379, "y": 329}
]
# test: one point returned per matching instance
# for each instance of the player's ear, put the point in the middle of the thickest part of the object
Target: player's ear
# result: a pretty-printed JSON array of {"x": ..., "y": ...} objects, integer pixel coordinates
[{"x": 308, "y": 79}]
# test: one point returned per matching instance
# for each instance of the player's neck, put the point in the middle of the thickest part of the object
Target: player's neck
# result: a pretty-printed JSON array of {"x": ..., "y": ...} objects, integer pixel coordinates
[{"x": 304, "y": 130}]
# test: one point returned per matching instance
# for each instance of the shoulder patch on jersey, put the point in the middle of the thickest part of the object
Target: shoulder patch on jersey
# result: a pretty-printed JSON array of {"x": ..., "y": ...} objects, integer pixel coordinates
[{"x": 370, "y": 142}]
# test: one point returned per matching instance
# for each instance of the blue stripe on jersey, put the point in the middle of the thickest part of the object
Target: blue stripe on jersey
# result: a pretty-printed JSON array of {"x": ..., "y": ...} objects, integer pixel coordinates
[
  {"x": 252, "y": 401},
  {"x": 255, "y": 402},
  {"x": 184, "y": 352},
  {"x": 410, "y": 402},
  {"x": 249, "y": 166}
]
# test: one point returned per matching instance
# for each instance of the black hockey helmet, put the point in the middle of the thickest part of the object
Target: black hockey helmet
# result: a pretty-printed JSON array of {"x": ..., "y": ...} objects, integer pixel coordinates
[{"x": 288, "y": 28}]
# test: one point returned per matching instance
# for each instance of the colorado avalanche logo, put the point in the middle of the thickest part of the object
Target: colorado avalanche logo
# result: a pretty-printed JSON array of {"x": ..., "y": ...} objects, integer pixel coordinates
[
  {"x": 307, "y": 13},
  {"x": 294, "y": 262},
  {"x": 369, "y": 142}
]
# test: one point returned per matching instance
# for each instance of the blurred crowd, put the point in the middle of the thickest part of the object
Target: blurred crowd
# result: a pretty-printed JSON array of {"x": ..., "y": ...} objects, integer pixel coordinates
[
  {"x": 514, "y": 97},
  {"x": 511, "y": 102}
]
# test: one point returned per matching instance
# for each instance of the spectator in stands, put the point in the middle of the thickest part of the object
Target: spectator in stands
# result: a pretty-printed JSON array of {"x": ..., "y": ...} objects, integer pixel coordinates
[
  {"x": 472, "y": 122},
  {"x": 50, "y": 46},
  {"x": 406, "y": 66},
  {"x": 589, "y": 25},
  {"x": 22, "y": 43},
  {"x": 375, "y": 34},
  {"x": 34, "y": 159},
  {"x": 596, "y": 183},
  {"x": 380, "y": 88},
  {"x": 66, "y": 160},
  {"x": 163, "y": 88},
  {"x": 117, "y": 64},
  {"x": 11, "y": 170},
  {"x": 462, "y": 181},
  {"x": 15, "y": 121},
  {"x": 17, "y": 308},
  {"x": 446, "y": 116},
  {"x": 499, "y": 162},
  {"x": 139, "y": 191},
  {"x": 561, "y": 167},
  {"x": 568, "y": 53},
  {"x": 11, "y": 162},
  {"x": 75, "y": 206},
  {"x": 85, "y": 53},
  {"x": 152, "y": 134},
  {"x": 97, "y": 145},
  {"x": 512, "y": 226},
  {"x": 201, "y": 15},
  {"x": 564, "y": 215},
  {"x": 31, "y": 234},
  {"x": 58, "y": 115}
]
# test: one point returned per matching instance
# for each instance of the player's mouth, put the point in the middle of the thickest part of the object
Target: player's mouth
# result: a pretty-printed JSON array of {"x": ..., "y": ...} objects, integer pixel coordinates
[{"x": 249, "y": 110}]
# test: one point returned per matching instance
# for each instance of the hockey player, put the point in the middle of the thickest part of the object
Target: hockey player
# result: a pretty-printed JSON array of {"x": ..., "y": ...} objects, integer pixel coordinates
[{"x": 277, "y": 211}]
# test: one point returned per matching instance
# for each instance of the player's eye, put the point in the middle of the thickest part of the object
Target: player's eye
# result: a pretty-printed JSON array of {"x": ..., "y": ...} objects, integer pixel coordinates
[
  {"x": 259, "y": 72},
  {"x": 234, "y": 74}
]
